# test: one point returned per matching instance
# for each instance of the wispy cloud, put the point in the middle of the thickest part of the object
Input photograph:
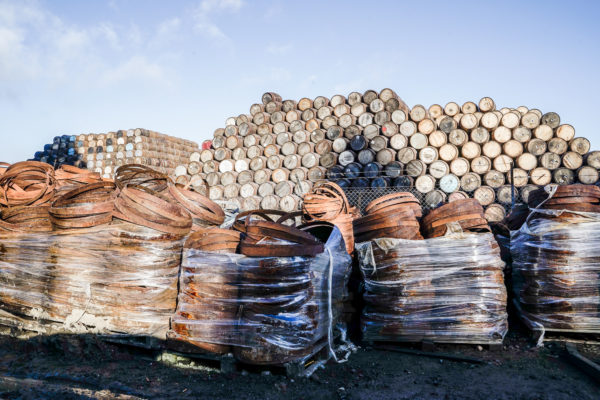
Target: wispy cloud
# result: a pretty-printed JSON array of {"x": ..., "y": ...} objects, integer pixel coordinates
[
  {"x": 279, "y": 49},
  {"x": 204, "y": 18}
]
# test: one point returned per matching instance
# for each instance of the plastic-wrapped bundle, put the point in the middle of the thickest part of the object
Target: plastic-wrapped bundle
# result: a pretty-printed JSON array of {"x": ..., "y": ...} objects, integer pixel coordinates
[
  {"x": 556, "y": 270},
  {"x": 118, "y": 278},
  {"x": 268, "y": 310},
  {"x": 448, "y": 289}
]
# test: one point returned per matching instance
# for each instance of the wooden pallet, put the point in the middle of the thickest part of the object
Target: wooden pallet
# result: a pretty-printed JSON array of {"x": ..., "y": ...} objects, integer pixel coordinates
[
  {"x": 557, "y": 335},
  {"x": 427, "y": 345},
  {"x": 185, "y": 355}
]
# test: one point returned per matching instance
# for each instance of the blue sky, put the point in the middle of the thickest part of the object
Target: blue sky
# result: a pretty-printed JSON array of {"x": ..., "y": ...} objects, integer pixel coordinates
[{"x": 183, "y": 67}]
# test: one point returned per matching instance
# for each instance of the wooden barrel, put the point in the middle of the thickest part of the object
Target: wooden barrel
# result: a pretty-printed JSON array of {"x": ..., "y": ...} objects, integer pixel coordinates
[
  {"x": 502, "y": 134},
  {"x": 310, "y": 160},
  {"x": 300, "y": 136},
  {"x": 415, "y": 168},
  {"x": 366, "y": 156},
  {"x": 418, "y": 141},
  {"x": 382, "y": 117},
  {"x": 303, "y": 187},
  {"x": 449, "y": 183},
  {"x": 543, "y": 132},
  {"x": 447, "y": 124},
  {"x": 340, "y": 144},
  {"x": 580, "y": 145},
  {"x": 316, "y": 174},
  {"x": 398, "y": 117},
  {"x": 492, "y": 149},
  {"x": 231, "y": 191},
  {"x": 418, "y": 113},
  {"x": 221, "y": 154},
  {"x": 451, "y": 109},
  {"x": 468, "y": 122},
  {"x": 226, "y": 165},
  {"x": 511, "y": 119},
  {"x": 323, "y": 147},
  {"x": 254, "y": 151},
  {"x": 238, "y": 153},
  {"x": 540, "y": 176},
  {"x": 460, "y": 166},
  {"x": 587, "y": 175},
  {"x": 268, "y": 140},
  {"x": 304, "y": 148},
  {"x": 258, "y": 163},
  {"x": 328, "y": 160},
  {"x": 408, "y": 128},
  {"x": 471, "y": 150},
  {"x": 264, "y": 129},
  {"x": 527, "y": 161},
  {"x": 346, "y": 120},
  {"x": 241, "y": 165},
  {"x": 572, "y": 160},
  {"x": 304, "y": 104},
  {"x": 470, "y": 181},
  {"x": 448, "y": 152},
  {"x": 494, "y": 179},
  {"x": 512, "y": 148},
  {"x": 215, "y": 192},
  {"x": 284, "y": 188},
  {"x": 389, "y": 129},
  {"x": 435, "y": 111},
  {"x": 379, "y": 143},
  {"x": 245, "y": 177},
  {"x": 593, "y": 159},
  {"x": 274, "y": 162},
  {"x": 481, "y": 165},
  {"x": 504, "y": 194},
  {"x": 270, "y": 202},
  {"x": 526, "y": 190},
  {"x": 550, "y": 161},
  {"x": 299, "y": 174},
  {"x": 248, "y": 190},
  {"x": 428, "y": 154},
  {"x": 280, "y": 175},
  {"x": 536, "y": 146},
  {"x": 354, "y": 98},
  {"x": 551, "y": 119},
  {"x": 521, "y": 177},
  {"x": 489, "y": 120},
  {"x": 426, "y": 126},
  {"x": 521, "y": 134},
  {"x": 262, "y": 175},
  {"x": 289, "y": 203},
  {"x": 530, "y": 120},
  {"x": 566, "y": 132},
  {"x": 434, "y": 198},
  {"x": 398, "y": 141},
  {"x": 213, "y": 179},
  {"x": 406, "y": 154},
  {"x": 352, "y": 131},
  {"x": 558, "y": 146},
  {"x": 563, "y": 176},
  {"x": 494, "y": 213},
  {"x": 425, "y": 183},
  {"x": 458, "y": 137},
  {"x": 439, "y": 168},
  {"x": 438, "y": 139},
  {"x": 266, "y": 188},
  {"x": 487, "y": 104},
  {"x": 485, "y": 195},
  {"x": 459, "y": 195},
  {"x": 384, "y": 156},
  {"x": 346, "y": 157}
]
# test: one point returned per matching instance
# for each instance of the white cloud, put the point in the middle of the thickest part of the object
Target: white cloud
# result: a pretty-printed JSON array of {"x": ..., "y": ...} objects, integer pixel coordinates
[
  {"x": 39, "y": 47},
  {"x": 137, "y": 67},
  {"x": 204, "y": 18},
  {"x": 279, "y": 50}
]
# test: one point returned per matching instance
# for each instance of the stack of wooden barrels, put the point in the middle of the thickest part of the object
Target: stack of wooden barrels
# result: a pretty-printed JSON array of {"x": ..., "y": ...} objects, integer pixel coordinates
[
  {"x": 62, "y": 151},
  {"x": 105, "y": 152},
  {"x": 272, "y": 156}
]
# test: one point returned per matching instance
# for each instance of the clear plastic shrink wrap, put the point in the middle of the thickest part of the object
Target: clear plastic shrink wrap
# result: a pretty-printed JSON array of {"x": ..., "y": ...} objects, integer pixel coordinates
[
  {"x": 556, "y": 270},
  {"x": 448, "y": 289},
  {"x": 267, "y": 310},
  {"x": 118, "y": 278}
]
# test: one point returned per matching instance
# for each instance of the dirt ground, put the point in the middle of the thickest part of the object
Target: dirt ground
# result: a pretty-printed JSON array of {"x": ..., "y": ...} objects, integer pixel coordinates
[{"x": 87, "y": 368}]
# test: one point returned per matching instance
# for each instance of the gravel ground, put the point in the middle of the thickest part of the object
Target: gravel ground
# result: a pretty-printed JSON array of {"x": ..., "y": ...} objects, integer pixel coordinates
[{"x": 85, "y": 368}]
